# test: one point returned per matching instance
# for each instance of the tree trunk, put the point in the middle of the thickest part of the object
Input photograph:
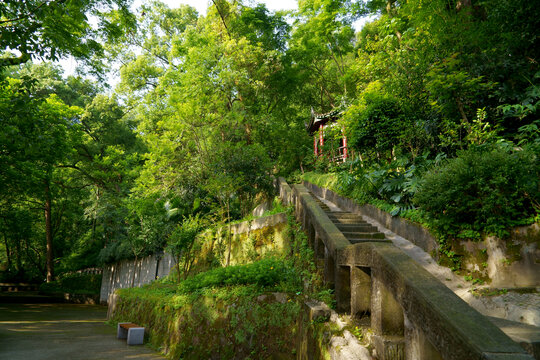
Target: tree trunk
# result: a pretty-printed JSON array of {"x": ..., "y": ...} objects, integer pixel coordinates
[
  {"x": 229, "y": 233},
  {"x": 48, "y": 233},
  {"x": 8, "y": 252},
  {"x": 18, "y": 255},
  {"x": 178, "y": 267}
]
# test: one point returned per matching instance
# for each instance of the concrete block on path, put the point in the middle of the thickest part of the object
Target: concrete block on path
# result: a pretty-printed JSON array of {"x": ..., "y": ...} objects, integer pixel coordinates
[
  {"x": 121, "y": 333},
  {"x": 135, "y": 336},
  {"x": 132, "y": 332}
]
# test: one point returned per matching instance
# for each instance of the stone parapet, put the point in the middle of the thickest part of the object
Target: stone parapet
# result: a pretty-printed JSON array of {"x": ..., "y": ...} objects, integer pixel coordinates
[{"x": 413, "y": 315}]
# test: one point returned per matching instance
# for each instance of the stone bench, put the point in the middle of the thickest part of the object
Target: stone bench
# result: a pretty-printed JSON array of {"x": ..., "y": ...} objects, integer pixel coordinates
[{"x": 132, "y": 332}]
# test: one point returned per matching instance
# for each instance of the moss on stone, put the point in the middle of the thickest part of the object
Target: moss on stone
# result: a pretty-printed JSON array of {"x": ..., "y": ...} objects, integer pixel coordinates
[{"x": 232, "y": 322}]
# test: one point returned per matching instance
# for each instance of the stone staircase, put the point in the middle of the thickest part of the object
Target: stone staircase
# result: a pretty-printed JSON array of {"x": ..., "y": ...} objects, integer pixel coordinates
[
  {"x": 353, "y": 226},
  {"x": 357, "y": 230}
]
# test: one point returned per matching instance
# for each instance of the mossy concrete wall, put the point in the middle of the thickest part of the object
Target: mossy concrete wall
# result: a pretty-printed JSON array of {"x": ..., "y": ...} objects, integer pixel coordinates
[
  {"x": 250, "y": 240},
  {"x": 254, "y": 239},
  {"x": 241, "y": 325},
  {"x": 510, "y": 263}
]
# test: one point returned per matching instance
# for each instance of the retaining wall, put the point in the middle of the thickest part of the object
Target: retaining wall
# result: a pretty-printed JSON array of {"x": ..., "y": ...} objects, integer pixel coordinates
[{"x": 131, "y": 273}]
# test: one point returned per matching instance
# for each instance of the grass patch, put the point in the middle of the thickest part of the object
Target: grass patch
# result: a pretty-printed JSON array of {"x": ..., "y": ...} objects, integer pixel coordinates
[{"x": 329, "y": 180}]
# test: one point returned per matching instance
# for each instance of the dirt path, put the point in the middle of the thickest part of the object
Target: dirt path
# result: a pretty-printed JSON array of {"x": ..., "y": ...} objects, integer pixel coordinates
[{"x": 62, "y": 331}]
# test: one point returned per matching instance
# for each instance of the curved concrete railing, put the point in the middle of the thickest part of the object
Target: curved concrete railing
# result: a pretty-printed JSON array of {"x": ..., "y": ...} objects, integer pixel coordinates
[{"x": 413, "y": 315}]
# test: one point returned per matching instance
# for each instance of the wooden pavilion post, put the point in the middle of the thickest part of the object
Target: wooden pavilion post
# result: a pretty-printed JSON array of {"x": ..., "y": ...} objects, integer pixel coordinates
[
  {"x": 344, "y": 148},
  {"x": 321, "y": 138}
]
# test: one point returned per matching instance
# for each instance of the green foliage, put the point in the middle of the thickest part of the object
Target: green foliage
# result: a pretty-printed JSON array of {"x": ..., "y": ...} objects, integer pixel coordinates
[
  {"x": 482, "y": 190},
  {"x": 209, "y": 107},
  {"x": 389, "y": 186},
  {"x": 240, "y": 170},
  {"x": 454, "y": 95},
  {"x": 276, "y": 208},
  {"x": 74, "y": 283},
  {"x": 356, "y": 184},
  {"x": 264, "y": 273},
  {"x": 54, "y": 29},
  {"x": 397, "y": 182},
  {"x": 375, "y": 123},
  {"x": 234, "y": 322},
  {"x": 327, "y": 180},
  {"x": 182, "y": 243},
  {"x": 302, "y": 258}
]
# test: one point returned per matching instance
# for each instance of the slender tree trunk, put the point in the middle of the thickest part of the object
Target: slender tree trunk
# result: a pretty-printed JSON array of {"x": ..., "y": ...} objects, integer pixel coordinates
[
  {"x": 8, "y": 252},
  {"x": 229, "y": 232},
  {"x": 48, "y": 233},
  {"x": 18, "y": 255},
  {"x": 178, "y": 268}
]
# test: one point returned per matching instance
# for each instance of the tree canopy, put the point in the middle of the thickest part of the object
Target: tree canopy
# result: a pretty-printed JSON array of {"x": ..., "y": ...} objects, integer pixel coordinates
[{"x": 208, "y": 108}]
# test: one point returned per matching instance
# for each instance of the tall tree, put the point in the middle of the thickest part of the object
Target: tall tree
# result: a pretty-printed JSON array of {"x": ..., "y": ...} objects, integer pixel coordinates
[{"x": 37, "y": 137}]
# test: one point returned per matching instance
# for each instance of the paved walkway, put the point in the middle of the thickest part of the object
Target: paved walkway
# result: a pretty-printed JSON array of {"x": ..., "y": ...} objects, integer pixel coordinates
[{"x": 62, "y": 331}]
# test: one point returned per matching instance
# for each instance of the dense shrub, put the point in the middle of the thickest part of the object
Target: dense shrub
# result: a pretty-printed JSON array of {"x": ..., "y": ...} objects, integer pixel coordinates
[
  {"x": 266, "y": 272},
  {"x": 378, "y": 122},
  {"x": 482, "y": 190},
  {"x": 74, "y": 284},
  {"x": 374, "y": 123},
  {"x": 389, "y": 186}
]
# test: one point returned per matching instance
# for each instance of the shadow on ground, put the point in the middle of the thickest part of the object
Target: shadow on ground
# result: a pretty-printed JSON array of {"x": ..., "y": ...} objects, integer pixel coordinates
[{"x": 62, "y": 331}]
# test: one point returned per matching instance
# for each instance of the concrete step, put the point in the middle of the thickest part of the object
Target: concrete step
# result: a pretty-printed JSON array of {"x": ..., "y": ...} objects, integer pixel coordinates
[
  {"x": 364, "y": 227},
  {"x": 363, "y": 235},
  {"x": 361, "y": 240},
  {"x": 345, "y": 215},
  {"x": 321, "y": 204},
  {"x": 348, "y": 221}
]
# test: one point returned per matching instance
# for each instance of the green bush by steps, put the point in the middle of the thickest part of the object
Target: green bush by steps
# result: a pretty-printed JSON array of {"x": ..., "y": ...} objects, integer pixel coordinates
[
  {"x": 263, "y": 273},
  {"x": 483, "y": 190}
]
